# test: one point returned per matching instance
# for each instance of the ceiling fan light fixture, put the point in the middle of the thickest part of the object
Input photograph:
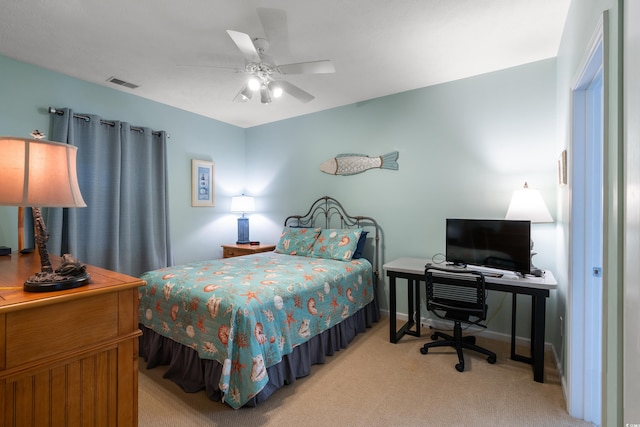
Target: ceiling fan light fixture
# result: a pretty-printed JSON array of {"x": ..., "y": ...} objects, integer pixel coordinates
[
  {"x": 265, "y": 95},
  {"x": 276, "y": 89},
  {"x": 253, "y": 83},
  {"x": 245, "y": 95},
  {"x": 262, "y": 72}
]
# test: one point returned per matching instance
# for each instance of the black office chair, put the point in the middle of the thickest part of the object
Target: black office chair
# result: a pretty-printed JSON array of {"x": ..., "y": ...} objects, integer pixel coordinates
[{"x": 459, "y": 296}]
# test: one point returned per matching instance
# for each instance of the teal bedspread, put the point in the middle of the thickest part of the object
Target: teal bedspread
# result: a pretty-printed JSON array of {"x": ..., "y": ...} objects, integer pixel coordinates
[{"x": 248, "y": 312}]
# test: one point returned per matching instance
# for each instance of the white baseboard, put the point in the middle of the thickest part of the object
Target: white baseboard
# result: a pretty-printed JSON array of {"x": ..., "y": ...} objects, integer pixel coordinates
[{"x": 498, "y": 336}]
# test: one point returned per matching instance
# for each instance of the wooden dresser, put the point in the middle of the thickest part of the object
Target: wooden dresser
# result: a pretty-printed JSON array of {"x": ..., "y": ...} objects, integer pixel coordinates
[{"x": 68, "y": 357}]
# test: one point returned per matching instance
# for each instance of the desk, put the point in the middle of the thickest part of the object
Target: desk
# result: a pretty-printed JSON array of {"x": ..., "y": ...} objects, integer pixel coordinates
[{"x": 412, "y": 269}]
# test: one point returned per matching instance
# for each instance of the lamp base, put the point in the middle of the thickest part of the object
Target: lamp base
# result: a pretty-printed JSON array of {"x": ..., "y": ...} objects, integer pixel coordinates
[
  {"x": 536, "y": 272},
  {"x": 71, "y": 274},
  {"x": 533, "y": 270},
  {"x": 243, "y": 231},
  {"x": 54, "y": 282}
]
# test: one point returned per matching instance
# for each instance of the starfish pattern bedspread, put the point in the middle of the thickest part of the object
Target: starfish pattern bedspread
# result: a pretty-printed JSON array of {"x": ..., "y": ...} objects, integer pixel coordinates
[{"x": 248, "y": 312}]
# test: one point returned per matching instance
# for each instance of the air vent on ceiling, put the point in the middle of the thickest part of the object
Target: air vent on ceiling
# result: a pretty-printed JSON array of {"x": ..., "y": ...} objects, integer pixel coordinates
[{"x": 122, "y": 82}]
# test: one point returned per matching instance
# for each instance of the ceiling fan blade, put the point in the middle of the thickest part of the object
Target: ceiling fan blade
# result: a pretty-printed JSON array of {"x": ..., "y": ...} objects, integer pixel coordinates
[
  {"x": 313, "y": 67},
  {"x": 213, "y": 67},
  {"x": 245, "y": 44},
  {"x": 295, "y": 91},
  {"x": 276, "y": 29}
]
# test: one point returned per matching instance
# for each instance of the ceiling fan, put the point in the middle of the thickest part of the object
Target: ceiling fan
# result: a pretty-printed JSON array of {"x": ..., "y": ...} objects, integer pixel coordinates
[{"x": 265, "y": 75}]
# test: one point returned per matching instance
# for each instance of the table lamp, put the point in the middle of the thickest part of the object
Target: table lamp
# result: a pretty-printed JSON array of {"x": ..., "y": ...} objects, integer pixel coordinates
[
  {"x": 40, "y": 173},
  {"x": 243, "y": 204},
  {"x": 527, "y": 204}
]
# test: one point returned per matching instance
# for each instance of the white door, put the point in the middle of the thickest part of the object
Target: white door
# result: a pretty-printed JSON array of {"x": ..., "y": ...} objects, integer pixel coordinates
[{"x": 585, "y": 287}]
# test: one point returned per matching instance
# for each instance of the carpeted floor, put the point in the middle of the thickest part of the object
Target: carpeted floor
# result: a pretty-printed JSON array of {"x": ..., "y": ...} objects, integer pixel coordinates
[{"x": 376, "y": 383}]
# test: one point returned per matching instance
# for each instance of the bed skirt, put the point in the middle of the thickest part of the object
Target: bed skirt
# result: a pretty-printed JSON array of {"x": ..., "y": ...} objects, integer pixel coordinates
[{"x": 193, "y": 374}]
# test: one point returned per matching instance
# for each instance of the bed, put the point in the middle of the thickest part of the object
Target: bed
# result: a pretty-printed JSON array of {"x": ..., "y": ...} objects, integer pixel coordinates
[{"x": 241, "y": 328}]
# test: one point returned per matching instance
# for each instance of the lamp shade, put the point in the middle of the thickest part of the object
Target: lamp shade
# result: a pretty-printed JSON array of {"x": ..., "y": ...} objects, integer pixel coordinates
[
  {"x": 242, "y": 204},
  {"x": 528, "y": 204},
  {"x": 38, "y": 173}
]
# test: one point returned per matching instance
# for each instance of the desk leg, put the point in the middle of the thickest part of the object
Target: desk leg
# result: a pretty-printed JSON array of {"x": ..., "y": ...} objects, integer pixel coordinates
[
  {"x": 413, "y": 300},
  {"x": 538, "y": 307},
  {"x": 538, "y": 320},
  {"x": 514, "y": 304},
  {"x": 416, "y": 308},
  {"x": 392, "y": 310}
]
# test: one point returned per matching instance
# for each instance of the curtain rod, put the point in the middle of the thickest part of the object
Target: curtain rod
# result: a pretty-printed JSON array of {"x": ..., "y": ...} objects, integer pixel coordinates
[{"x": 53, "y": 110}]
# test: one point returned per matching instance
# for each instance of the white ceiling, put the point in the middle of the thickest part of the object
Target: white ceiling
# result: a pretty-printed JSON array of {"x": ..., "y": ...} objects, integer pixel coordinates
[{"x": 378, "y": 47}]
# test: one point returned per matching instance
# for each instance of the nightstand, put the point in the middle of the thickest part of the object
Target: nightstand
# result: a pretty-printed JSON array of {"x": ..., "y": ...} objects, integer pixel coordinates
[{"x": 235, "y": 249}]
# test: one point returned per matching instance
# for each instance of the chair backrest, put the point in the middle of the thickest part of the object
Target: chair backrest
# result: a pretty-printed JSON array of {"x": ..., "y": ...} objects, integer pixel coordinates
[{"x": 456, "y": 295}]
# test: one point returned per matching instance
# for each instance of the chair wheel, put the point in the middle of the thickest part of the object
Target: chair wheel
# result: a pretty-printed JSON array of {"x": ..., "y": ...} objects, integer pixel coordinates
[
  {"x": 424, "y": 350},
  {"x": 460, "y": 367},
  {"x": 434, "y": 337},
  {"x": 491, "y": 359}
]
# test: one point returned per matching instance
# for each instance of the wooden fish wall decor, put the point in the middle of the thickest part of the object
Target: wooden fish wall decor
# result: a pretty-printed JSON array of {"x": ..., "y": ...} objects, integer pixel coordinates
[{"x": 351, "y": 164}]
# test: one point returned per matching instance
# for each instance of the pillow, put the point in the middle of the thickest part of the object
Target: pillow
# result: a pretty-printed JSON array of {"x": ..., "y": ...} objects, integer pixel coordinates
[
  {"x": 297, "y": 241},
  {"x": 359, "y": 252},
  {"x": 337, "y": 243}
]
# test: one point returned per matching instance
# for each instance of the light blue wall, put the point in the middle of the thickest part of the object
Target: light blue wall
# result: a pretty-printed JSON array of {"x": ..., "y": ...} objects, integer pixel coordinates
[
  {"x": 464, "y": 148},
  {"x": 196, "y": 232}
]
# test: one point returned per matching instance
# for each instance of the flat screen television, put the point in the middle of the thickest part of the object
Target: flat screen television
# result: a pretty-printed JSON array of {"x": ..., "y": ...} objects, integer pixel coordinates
[{"x": 502, "y": 244}]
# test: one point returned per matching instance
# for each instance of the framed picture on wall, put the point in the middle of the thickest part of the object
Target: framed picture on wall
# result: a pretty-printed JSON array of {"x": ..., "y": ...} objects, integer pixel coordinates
[
  {"x": 562, "y": 168},
  {"x": 202, "y": 183}
]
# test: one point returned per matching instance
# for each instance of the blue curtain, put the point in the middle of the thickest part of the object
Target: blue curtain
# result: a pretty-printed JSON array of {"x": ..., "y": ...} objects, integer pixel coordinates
[{"x": 122, "y": 172}]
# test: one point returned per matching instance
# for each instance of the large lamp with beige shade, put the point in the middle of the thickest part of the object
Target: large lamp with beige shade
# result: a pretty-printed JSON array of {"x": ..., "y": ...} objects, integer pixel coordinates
[
  {"x": 38, "y": 173},
  {"x": 528, "y": 204}
]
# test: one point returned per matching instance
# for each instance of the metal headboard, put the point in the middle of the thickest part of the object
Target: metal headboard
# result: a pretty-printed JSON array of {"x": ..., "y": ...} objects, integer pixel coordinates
[{"x": 327, "y": 212}]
